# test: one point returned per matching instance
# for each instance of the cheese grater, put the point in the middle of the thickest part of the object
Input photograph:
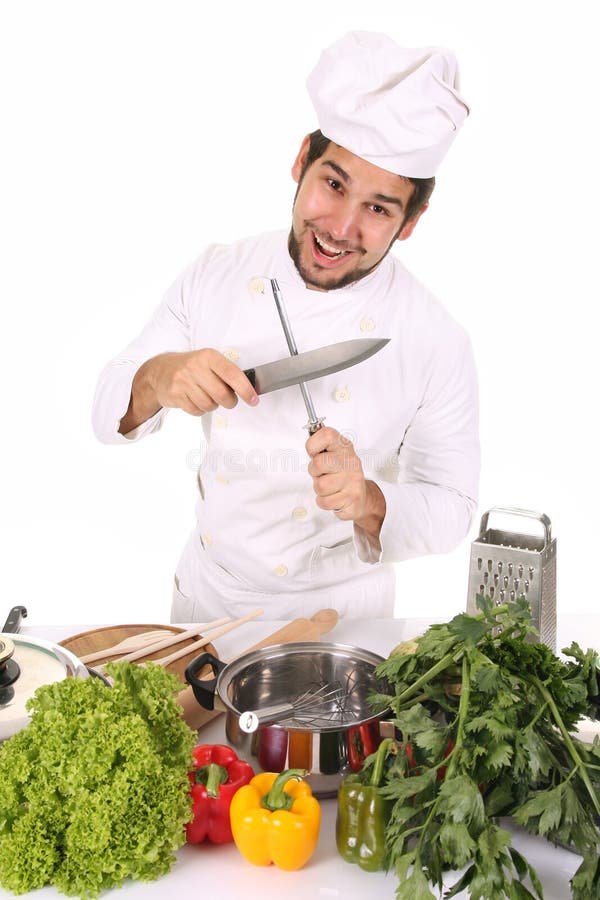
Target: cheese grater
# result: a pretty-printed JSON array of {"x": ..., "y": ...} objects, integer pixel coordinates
[{"x": 506, "y": 565}]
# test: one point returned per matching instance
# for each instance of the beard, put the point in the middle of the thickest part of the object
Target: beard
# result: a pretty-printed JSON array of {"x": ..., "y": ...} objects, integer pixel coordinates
[{"x": 329, "y": 282}]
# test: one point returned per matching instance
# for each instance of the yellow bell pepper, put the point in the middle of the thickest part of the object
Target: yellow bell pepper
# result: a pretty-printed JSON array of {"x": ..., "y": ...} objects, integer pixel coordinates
[{"x": 276, "y": 819}]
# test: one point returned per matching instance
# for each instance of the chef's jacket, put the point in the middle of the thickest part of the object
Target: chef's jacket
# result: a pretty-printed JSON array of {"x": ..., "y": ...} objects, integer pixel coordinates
[{"x": 410, "y": 411}]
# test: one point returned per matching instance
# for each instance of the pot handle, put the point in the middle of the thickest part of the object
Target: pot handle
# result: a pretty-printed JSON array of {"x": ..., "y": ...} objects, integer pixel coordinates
[
  {"x": 204, "y": 689},
  {"x": 13, "y": 623}
]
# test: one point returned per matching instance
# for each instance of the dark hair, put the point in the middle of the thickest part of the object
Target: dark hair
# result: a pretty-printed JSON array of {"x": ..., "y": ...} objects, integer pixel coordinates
[{"x": 423, "y": 187}]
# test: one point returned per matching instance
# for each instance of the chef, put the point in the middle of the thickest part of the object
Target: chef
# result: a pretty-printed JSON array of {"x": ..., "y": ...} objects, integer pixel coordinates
[{"x": 283, "y": 522}]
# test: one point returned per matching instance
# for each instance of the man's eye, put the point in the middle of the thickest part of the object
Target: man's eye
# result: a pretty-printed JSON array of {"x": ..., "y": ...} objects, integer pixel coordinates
[
  {"x": 380, "y": 210},
  {"x": 334, "y": 184}
]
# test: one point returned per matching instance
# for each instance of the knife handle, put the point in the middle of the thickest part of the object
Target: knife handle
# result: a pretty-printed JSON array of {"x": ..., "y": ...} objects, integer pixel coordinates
[
  {"x": 13, "y": 623},
  {"x": 251, "y": 376}
]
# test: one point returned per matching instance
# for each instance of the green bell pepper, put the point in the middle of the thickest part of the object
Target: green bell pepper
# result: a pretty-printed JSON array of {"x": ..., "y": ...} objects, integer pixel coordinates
[{"x": 362, "y": 815}]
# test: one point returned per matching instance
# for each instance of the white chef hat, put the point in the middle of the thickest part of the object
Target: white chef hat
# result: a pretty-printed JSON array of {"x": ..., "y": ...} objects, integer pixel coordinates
[{"x": 396, "y": 108}]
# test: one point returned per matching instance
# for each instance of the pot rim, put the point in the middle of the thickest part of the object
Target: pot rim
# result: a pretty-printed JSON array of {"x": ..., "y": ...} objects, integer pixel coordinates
[
  {"x": 72, "y": 663},
  {"x": 278, "y": 651}
]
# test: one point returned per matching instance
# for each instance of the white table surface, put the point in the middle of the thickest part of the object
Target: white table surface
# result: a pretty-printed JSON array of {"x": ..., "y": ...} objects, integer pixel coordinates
[{"x": 208, "y": 872}]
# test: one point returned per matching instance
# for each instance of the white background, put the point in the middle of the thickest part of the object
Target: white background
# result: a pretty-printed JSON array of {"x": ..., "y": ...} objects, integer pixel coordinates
[{"x": 134, "y": 133}]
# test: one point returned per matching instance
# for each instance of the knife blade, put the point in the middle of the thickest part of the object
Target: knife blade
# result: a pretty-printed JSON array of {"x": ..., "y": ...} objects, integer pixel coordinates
[{"x": 312, "y": 364}]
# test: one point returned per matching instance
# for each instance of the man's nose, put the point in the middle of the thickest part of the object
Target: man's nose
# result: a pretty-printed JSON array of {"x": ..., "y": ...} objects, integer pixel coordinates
[{"x": 344, "y": 223}]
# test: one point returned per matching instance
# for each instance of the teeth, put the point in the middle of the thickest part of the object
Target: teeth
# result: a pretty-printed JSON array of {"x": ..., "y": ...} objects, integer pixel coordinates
[{"x": 329, "y": 248}]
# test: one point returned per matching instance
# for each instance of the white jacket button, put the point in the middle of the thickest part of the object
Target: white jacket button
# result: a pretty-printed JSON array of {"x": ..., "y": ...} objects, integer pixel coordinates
[
  {"x": 231, "y": 353},
  {"x": 206, "y": 540},
  {"x": 367, "y": 324},
  {"x": 220, "y": 421},
  {"x": 341, "y": 394},
  {"x": 222, "y": 479},
  {"x": 281, "y": 570},
  {"x": 256, "y": 286},
  {"x": 299, "y": 512}
]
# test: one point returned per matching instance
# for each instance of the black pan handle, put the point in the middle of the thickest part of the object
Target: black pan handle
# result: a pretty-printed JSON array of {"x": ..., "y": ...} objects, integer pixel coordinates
[
  {"x": 204, "y": 689},
  {"x": 251, "y": 376},
  {"x": 15, "y": 617}
]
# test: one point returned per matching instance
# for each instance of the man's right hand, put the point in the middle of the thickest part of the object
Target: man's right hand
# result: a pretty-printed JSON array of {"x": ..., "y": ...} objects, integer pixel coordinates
[{"x": 197, "y": 382}]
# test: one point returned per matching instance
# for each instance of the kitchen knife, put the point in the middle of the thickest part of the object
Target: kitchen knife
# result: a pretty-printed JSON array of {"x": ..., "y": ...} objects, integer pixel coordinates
[{"x": 312, "y": 364}]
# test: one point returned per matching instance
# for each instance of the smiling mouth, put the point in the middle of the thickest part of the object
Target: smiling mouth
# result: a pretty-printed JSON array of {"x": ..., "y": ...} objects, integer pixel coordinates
[{"x": 327, "y": 250}]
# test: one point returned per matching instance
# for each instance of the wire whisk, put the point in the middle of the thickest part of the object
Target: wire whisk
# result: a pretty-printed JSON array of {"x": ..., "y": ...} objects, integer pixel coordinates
[{"x": 316, "y": 707}]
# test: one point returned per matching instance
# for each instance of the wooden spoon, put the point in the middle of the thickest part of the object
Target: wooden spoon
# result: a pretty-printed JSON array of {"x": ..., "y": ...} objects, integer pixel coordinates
[
  {"x": 325, "y": 619},
  {"x": 133, "y": 642},
  {"x": 301, "y": 630}
]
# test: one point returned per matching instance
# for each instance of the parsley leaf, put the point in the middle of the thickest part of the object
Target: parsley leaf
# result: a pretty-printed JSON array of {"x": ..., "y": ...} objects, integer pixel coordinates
[{"x": 487, "y": 717}]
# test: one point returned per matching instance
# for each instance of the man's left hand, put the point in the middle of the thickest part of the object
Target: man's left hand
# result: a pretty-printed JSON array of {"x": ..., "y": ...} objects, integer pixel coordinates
[{"x": 339, "y": 481}]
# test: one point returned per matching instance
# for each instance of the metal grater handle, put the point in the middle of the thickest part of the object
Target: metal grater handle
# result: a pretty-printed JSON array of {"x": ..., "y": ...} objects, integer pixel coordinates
[{"x": 526, "y": 513}]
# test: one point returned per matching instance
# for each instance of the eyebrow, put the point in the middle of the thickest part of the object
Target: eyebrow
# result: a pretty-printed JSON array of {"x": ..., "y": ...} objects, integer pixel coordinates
[{"x": 346, "y": 177}]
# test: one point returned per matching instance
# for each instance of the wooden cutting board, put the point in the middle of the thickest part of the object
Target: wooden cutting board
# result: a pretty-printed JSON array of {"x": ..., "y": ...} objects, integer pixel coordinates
[
  {"x": 296, "y": 630},
  {"x": 102, "y": 638}
]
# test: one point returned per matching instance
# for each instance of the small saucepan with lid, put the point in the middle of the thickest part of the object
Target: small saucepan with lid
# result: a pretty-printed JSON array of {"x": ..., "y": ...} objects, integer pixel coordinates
[{"x": 26, "y": 663}]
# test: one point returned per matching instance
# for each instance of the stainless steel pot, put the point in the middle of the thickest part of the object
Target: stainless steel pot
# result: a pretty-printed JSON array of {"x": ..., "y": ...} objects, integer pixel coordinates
[
  {"x": 25, "y": 664},
  {"x": 320, "y": 695}
]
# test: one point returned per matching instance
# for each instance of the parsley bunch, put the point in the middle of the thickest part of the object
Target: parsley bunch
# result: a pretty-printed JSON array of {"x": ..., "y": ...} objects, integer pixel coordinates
[
  {"x": 95, "y": 789},
  {"x": 486, "y": 719}
]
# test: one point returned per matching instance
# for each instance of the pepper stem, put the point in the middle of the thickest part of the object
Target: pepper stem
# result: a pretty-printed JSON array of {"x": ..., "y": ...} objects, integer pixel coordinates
[
  {"x": 277, "y": 798},
  {"x": 212, "y": 775},
  {"x": 380, "y": 756}
]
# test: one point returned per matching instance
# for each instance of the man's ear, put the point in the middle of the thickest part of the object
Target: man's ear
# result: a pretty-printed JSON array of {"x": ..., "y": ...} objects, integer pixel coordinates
[
  {"x": 407, "y": 230},
  {"x": 300, "y": 159}
]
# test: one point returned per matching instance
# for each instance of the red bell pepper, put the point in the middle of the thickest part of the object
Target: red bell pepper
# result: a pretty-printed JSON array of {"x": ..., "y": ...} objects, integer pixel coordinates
[
  {"x": 413, "y": 764},
  {"x": 217, "y": 775},
  {"x": 361, "y": 743}
]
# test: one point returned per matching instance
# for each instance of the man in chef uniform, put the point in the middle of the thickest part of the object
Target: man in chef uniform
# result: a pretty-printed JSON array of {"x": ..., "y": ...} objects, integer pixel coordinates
[{"x": 287, "y": 523}]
